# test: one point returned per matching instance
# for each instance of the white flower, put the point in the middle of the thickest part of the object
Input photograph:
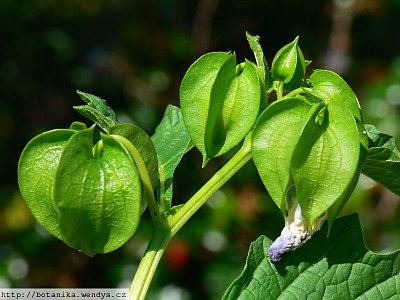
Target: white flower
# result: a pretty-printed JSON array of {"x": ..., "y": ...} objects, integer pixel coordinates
[{"x": 295, "y": 233}]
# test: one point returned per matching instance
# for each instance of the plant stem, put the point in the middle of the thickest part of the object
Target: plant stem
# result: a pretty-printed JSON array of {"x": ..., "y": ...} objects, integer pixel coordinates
[
  {"x": 297, "y": 91},
  {"x": 215, "y": 182},
  {"x": 279, "y": 92},
  {"x": 164, "y": 232},
  {"x": 148, "y": 264}
]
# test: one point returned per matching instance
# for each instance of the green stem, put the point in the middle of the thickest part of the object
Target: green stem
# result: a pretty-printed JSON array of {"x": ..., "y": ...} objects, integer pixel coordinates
[
  {"x": 215, "y": 182},
  {"x": 297, "y": 91},
  {"x": 161, "y": 237},
  {"x": 149, "y": 263},
  {"x": 279, "y": 92}
]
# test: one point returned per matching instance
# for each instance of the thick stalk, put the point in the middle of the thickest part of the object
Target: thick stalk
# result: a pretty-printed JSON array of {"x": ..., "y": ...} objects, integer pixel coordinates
[
  {"x": 218, "y": 180},
  {"x": 161, "y": 237},
  {"x": 148, "y": 264},
  {"x": 300, "y": 90},
  {"x": 279, "y": 91}
]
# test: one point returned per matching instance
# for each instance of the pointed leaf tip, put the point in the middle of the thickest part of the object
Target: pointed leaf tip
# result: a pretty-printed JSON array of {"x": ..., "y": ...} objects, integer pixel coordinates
[{"x": 96, "y": 110}]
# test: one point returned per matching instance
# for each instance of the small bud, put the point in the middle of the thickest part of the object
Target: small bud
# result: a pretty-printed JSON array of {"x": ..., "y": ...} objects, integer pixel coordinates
[{"x": 289, "y": 65}]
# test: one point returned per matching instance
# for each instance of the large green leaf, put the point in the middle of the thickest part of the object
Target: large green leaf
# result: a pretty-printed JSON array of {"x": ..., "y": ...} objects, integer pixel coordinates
[
  {"x": 98, "y": 194},
  {"x": 383, "y": 160},
  {"x": 220, "y": 102},
  {"x": 171, "y": 141},
  {"x": 331, "y": 88},
  {"x": 334, "y": 267},
  {"x": 274, "y": 139},
  {"x": 325, "y": 161},
  {"x": 36, "y": 175}
]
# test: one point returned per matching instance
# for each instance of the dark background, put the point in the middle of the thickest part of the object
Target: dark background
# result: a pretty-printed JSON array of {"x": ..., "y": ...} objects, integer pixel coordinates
[{"x": 134, "y": 54}]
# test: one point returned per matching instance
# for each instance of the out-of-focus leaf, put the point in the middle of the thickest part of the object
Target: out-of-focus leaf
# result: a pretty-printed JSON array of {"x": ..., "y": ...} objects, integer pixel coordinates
[
  {"x": 383, "y": 160},
  {"x": 379, "y": 139}
]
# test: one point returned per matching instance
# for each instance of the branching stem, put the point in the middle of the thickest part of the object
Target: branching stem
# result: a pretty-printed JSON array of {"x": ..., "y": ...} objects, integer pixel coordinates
[
  {"x": 300, "y": 90},
  {"x": 218, "y": 180},
  {"x": 165, "y": 231}
]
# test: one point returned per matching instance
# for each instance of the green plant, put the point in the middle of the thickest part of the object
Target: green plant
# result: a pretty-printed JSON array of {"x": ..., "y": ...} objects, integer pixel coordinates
[{"x": 89, "y": 186}]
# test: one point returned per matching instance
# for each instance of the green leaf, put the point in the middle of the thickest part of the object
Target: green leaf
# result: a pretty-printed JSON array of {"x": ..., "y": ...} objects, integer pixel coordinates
[
  {"x": 254, "y": 42},
  {"x": 338, "y": 267},
  {"x": 98, "y": 194},
  {"x": 220, "y": 102},
  {"x": 378, "y": 139},
  {"x": 289, "y": 65},
  {"x": 36, "y": 175},
  {"x": 331, "y": 88},
  {"x": 96, "y": 110},
  {"x": 274, "y": 139},
  {"x": 171, "y": 141},
  {"x": 383, "y": 160},
  {"x": 142, "y": 142},
  {"x": 325, "y": 161}
]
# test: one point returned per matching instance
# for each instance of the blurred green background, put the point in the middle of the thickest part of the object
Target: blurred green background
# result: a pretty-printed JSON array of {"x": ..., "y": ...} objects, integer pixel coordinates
[{"x": 134, "y": 54}]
